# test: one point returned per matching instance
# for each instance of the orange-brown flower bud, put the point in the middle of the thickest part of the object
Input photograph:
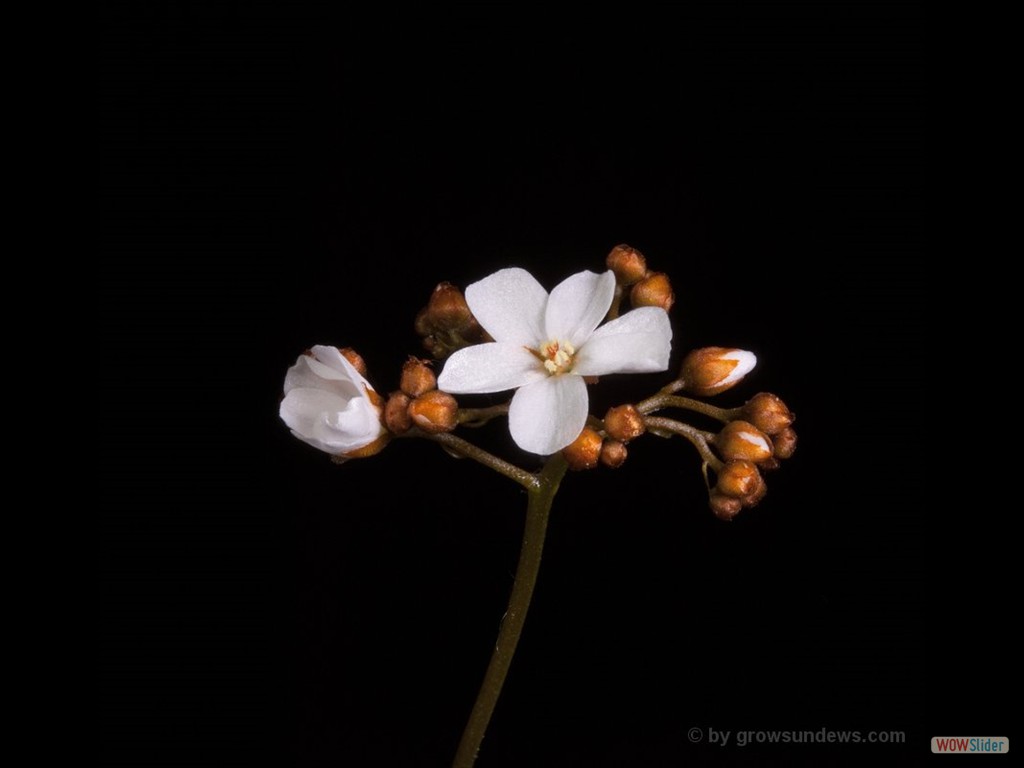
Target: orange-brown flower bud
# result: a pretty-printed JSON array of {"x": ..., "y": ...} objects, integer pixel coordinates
[
  {"x": 447, "y": 324},
  {"x": 655, "y": 290},
  {"x": 785, "y": 443},
  {"x": 435, "y": 411},
  {"x": 417, "y": 377},
  {"x": 613, "y": 453},
  {"x": 584, "y": 451},
  {"x": 473, "y": 333},
  {"x": 724, "y": 507},
  {"x": 739, "y": 479},
  {"x": 628, "y": 264},
  {"x": 355, "y": 358},
  {"x": 755, "y": 498},
  {"x": 768, "y": 413},
  {"x": 396, "y": 413},
  {"x": 447, "y": 307},
  {"x": 742, "y": 440},
  {"x": 711, "y": 370},
  {"x": 422, "y": 324},
  {"x": 624, "y": 422}
]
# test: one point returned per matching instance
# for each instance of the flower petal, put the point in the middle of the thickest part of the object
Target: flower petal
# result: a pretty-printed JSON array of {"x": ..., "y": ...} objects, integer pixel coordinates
[
  {"x": 356, "y": 425},
  {"x": 332, "y": 357},
  {"x": 547, "y": 415},
  {"x": 489, "y": 368},
  {"x": 302, "y": 408},
  {"x": 638, "y": 342},
  {"x": 326, "y": 369},
  {"x": 510, "y": 306},
  {"x": 577, "y": 305},
  {"x": 329, "y": 422},
  {"x": 308, "y": 373},
  {"x": 745, "y": 362}
]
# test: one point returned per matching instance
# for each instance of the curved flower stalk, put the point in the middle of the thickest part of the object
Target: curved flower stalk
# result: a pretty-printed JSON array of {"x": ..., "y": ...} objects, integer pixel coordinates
[{"x": 507, "y": 333}]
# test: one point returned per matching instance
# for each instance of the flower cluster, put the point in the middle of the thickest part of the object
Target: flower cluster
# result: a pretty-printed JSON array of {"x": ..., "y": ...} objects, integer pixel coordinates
[{"x": 506, "y": 333}]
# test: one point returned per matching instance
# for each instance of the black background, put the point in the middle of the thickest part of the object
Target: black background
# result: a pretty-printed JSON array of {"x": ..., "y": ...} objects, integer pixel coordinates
[{"x": 272, "y": 182}]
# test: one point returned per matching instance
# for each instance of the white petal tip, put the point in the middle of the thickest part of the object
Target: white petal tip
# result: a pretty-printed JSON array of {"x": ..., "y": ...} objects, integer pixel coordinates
[{"x": 745, "y": 362}]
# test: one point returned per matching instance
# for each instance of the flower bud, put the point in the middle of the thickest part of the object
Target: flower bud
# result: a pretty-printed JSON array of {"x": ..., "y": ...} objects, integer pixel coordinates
[
  {"x": 396, "y": 413},
  {"x": 711, "y": 370},
  {"x": 755, "y": 498},
  {"x": 785, "y": 443},
  {"x": 613, "y": 454},
  {"x": 584, "y": 451},
  {"x": 473, "y": 333},
  {"x": 355, "y": 358},
  {"x": 724, "y": 507},
  {"x": 741, "y": 440},
  {"x": 624, "y": 422},
  {"x": 447, "y": 307},
  {"x": 417, "y": 377},
  {"x": 768, "y": 413},
  {"x": 435, "y": 411},
  {"x": 628, "y": 264},
  {"x": 655, "y": 290},
  {"x": 739, "y": 479},
  {"x": 422, "y": 324},
  {"x": 331, "y": 406}
]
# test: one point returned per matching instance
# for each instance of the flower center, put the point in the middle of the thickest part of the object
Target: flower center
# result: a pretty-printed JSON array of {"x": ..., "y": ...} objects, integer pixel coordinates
[{"x": 557, "y": 356}]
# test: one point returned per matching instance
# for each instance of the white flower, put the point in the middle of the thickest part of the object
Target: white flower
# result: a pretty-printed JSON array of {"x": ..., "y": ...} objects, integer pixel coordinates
[
  {"x": 329, "y": 405},
  {"x": 544, "y": 346}
]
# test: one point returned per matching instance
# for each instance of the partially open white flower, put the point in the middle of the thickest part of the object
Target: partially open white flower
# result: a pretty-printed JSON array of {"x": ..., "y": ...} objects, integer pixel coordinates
[
  {"x": 544, "y": 346},
  {"x": 329, "y": 405}
]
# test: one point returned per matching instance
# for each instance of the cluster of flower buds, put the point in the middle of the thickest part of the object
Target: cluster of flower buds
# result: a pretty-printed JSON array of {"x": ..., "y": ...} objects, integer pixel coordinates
[
  {"x": 750, "y": 445},
  {"x": 621, "y": 424},
  {"x": 419, "y": 403},
  {"x": 447, "y": 324},
  {"x": 647, "y": 289},
  {"x": 755, "y": 438},
  {"x": 769, "y": 414},
  {"x": 329, "y": 404}
]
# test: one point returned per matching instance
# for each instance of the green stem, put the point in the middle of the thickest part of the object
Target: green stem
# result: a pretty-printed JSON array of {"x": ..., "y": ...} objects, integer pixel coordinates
[
  {"x": 672, "y": 387},
  {"x": 465, "y": 448},
  {"x": 537, "y": 512},
  {"x": 477, "y": 417},
  {"x": 667, "y": 400},
  {"x": 697, "y": 437}
]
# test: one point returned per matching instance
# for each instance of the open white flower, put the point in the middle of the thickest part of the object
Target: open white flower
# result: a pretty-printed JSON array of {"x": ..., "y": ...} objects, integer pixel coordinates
[
  {"x": 544, "y": 346},
  {"x": 329, "y": 405}
]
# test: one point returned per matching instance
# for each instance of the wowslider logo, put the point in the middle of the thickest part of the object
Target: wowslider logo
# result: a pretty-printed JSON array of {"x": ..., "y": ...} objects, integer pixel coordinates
[{"x": 970, "y": 745}]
